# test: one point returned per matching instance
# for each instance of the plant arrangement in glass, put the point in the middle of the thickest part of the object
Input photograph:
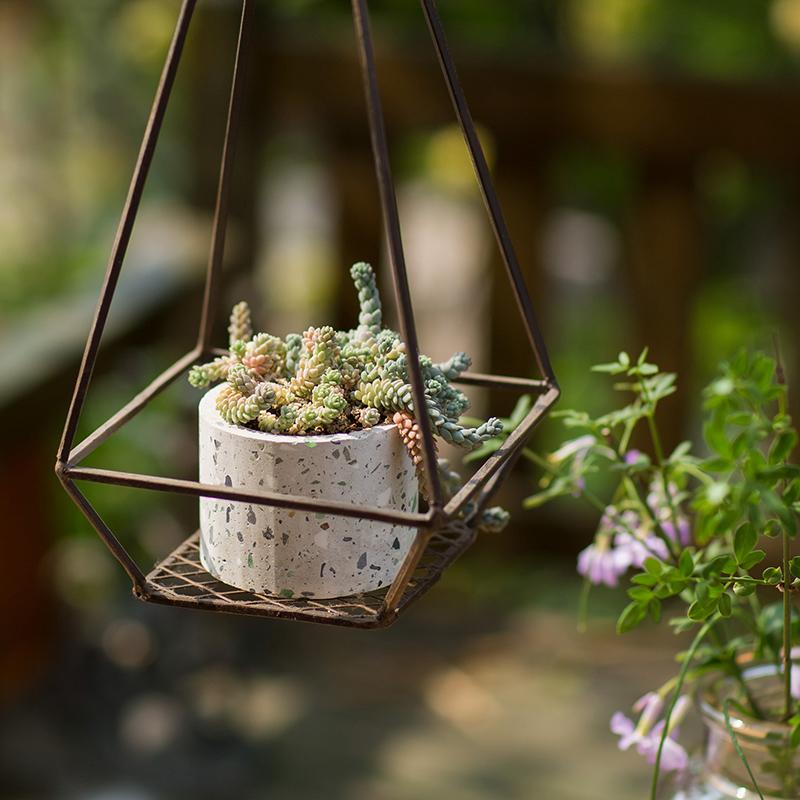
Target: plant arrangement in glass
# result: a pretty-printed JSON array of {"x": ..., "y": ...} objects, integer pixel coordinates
[{"x": 705, "y": 543}]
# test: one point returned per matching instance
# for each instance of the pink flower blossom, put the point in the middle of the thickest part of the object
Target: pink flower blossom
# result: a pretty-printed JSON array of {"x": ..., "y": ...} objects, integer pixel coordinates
[
  {"x": 795, "y": 676},
  {"x": 600, "y": 562},
  {"x": 640, "y": 550},
  {"x": 620, "y": 543},
  {"x": 632, "y": 456},
  {"x": 646, "y": 734}
]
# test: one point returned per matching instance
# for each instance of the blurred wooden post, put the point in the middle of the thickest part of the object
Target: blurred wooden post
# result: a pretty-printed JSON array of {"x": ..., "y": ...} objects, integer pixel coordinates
[
  {"x": 27, "y": 622},
  {"x": 524, "y": 198},
  {"x": 664, "y": 272},
  {"x": 358, "y": 224}
]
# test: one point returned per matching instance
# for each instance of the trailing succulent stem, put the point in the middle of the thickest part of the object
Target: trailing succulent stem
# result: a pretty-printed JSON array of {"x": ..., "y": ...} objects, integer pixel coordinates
[{"x": 327, "y": 381}]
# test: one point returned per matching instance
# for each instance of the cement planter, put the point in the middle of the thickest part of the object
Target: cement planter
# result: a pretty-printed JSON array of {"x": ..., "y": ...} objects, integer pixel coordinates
[{"x": 294, "y": 553}]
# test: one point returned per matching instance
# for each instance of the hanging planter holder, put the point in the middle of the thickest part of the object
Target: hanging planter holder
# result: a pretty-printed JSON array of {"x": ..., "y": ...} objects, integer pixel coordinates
[{"x": 431, "y": 539}]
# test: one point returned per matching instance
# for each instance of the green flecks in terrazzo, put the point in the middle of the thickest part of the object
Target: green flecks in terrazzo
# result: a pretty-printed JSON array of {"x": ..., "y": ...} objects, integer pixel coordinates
[
  {"x": 309, "y": 443},
  {"x": 286, "y": 593},
  {"x": 250, "y": 560}
]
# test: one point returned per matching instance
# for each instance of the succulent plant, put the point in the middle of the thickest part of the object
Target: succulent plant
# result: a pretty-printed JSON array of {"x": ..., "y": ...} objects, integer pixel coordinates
[{"x": 328, "y": 381}]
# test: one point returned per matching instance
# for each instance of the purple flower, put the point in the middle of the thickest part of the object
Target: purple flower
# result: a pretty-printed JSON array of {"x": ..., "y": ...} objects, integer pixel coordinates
[
  {"x": 646, "y": 734},
  {"x": 620, "y": 543},
  {"x": 602, "y": 563},
  {"x": 663, "y": 511},
  {"x": 623, "y": 727},
  {"x": 673, "y": 756},
  {"x": 632, "y": 456},
  {"x": 639, "y": 550},
  {"x": 795, "y": 676},
  {"x": 684, "y": 534}
]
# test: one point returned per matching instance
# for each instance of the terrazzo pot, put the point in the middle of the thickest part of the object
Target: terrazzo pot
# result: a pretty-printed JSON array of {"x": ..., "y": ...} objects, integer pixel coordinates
[{"x": 295, "y": 553}]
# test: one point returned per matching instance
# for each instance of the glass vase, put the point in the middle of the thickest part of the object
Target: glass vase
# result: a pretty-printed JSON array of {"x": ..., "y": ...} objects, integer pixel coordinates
[{"x": 720, "y": 774}]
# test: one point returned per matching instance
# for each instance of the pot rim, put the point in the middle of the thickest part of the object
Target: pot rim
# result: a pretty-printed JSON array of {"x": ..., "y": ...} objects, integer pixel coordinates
[
  {"x": 743, "y": 724},
  {"x": 207, "y": 407}
]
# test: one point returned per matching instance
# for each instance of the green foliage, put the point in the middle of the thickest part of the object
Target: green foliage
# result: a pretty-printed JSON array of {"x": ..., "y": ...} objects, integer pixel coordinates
[
  {"x": 328, "y": 381},
  {"x": 691, "y": 531}
]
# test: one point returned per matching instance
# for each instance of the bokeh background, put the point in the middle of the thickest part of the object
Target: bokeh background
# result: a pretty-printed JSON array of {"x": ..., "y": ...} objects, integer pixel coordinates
[{"x": 646, "y": 153}]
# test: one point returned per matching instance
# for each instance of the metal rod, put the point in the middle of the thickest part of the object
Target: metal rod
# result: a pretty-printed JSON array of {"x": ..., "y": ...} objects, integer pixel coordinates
[
  {"x": 496, "y": 461},
  {"x": 217, "y": 253},
  {"x": 409, "y": 566},
  {"x": 132, "y": 408},
  {"x": 487, "y": 189},
  {"x": 493, "y": 483},
  {"x": 118, "y": 551},
  {"x": 501, "y": 382},
  {"x": 288, "y": 501},
  {"x": 125, "y": 227},
  {"x": 391, "y": 223}
]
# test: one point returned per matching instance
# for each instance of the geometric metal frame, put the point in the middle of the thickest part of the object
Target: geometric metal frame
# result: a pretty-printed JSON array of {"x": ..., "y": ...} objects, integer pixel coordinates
[{"x": 441, "y": 532}]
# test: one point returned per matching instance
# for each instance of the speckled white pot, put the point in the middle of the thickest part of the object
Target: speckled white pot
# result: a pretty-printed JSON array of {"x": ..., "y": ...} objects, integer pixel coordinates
[{"x": 294, "y": 553}]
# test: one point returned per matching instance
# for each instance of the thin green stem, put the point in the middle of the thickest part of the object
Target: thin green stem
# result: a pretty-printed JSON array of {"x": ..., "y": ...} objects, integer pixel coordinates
[
  {"x": 659, "y": 453},
  {"x": 690, "y": 653},
  {"x": 738, "y": 747},
  {"x": 583, "y": 605},
  {"x": 672, "y": 545}
]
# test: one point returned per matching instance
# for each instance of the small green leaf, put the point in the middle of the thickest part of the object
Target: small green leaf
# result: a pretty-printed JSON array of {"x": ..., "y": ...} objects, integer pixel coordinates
[
  {"x": 653, "y": 566},
  {"x": 724, "y": 605},
  {"x": 686, "y": 564},
  {"x": 794, "y": 736},
  {"x": 716, "y": 437},
  {"x": 717, "y": 492},
  {"x": 700, "y": 610},
  {"x": 782, "y": 446},
  {"x": 794, "y": 566},
  {"x": 744, "y": 541},
  {"x": 633, "y": 614},
  {"x": 756, "y": 557},
  {"x": 772, "y": 575},
  {"x": 654, "y": 610}
]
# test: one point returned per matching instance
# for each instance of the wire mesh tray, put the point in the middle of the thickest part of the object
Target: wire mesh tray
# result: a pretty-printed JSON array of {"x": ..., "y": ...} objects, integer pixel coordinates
[{"x": 181, "y": 580}]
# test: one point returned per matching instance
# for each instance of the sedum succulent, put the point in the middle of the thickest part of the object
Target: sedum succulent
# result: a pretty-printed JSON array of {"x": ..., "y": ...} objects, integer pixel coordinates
[{"x": 328, "y": 381}]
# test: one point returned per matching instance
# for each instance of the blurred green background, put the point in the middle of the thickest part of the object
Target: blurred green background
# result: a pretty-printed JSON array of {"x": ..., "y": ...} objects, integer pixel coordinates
[{"x": 646, "y": 153}]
